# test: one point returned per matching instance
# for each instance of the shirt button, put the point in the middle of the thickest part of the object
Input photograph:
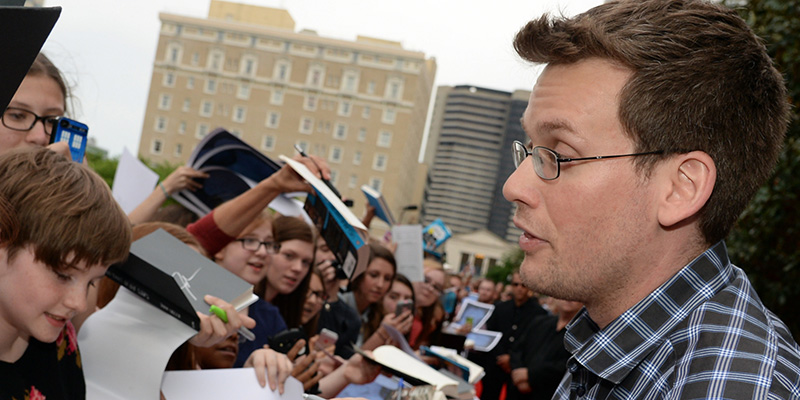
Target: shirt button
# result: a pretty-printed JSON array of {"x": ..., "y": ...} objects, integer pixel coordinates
[
  {"x": 573, "y": 367},
  {"x": 514, "y": 327},
  {"x": 581, "y": 391},
  {"x": 511, "y": 339}
]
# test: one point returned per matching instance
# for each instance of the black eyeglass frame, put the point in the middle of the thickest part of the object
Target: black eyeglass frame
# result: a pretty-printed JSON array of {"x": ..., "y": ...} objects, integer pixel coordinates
[
  {"x": 271, "y": 247},
  {"x": 53, "y": 119},
  {"x": 516, "y": 146}
]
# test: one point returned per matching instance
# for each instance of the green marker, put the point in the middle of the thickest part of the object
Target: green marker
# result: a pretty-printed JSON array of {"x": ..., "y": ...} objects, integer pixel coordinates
[{"x": 219, "y": 313}]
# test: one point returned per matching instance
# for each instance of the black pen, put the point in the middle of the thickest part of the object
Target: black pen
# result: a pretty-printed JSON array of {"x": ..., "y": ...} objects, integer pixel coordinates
[{"x": 325, "y": 181}]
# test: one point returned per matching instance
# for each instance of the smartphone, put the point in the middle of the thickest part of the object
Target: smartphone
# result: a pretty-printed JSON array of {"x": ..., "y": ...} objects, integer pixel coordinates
[
  {"x": 327, "y": 338},
  {"x": 74, "y": 134},
  {"x": 284, "y": 341},
  {"x": 403, "y": 305}
]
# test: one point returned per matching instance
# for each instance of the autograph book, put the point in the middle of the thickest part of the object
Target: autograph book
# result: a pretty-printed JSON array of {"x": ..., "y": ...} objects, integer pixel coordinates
[{"x": 173, "y": 277}]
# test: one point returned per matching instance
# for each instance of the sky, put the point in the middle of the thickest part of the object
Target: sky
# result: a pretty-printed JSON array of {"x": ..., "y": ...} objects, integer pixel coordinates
[{"x": 106, "y": 48}]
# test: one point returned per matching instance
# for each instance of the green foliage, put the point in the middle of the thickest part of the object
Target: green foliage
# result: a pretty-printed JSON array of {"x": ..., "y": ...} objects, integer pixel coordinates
[
  {"x": 766, "y": 240},
  {"x": 104, "y": 166},
  {"x": 511, "y": 261}
]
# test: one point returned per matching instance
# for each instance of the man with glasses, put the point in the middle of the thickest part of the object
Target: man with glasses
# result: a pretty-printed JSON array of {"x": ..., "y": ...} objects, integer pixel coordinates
[
  {"x": 651, "y": 127},
  {"x": 511, "y": 318}
]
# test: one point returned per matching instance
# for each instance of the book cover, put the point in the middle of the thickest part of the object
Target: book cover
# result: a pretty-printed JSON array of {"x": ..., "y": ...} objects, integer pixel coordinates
[
  {"x": 376, "y": 199},
  {"x": 470, "y": 371},
  {"x": 435, "y": 234},
  {"x": 175, "y": 278},
  {"x": 344, "y": 233},
  {"x": 233, "y": 167},
  {"x": 396, "y": 362}
]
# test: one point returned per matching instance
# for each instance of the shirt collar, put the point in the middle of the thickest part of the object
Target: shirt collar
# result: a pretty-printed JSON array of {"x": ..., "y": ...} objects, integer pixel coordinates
[{"x": 613, "y": 352}]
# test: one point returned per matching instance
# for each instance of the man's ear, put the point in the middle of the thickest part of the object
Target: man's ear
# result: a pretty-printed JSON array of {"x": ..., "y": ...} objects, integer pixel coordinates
[{"x": 688, "y": 183}]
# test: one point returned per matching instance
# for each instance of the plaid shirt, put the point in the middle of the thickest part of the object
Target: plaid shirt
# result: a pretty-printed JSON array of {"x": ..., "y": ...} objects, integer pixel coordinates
[{"x": 703, "y": 334}]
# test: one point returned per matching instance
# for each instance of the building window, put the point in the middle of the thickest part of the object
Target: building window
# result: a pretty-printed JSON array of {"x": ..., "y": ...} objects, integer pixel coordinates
[
  {"x": 340, "y": 132},
  {"x": 169, "y": 79},
  {"x": 182, "y": 127},
  {"x": 365, "y": 112},
  {"x": 268, "y": 143},
  {"x": 282, "y": 71},
  {"x": 190, "y": 83},
  {"x": 156, "y": 146},
  {"x": 315, "y": 76},
  {"x": 376, "y": 183},
  {"x": 306, "y": 125},
  {"x": 379, "y": 162},
  {"x": 310, "y": 103},
  {"x": 350, "y": 82},
  {"x": 384, "y": 139},
  {"x": 178, "y": 149},
  {"x": 389, "y": 115},
  {"x": 211, "y": 86},
  {"x": 362, "y": 134},
  {"x": 336, "y": 154},
  {"x": 353, "y": 181},
  {"x": 215, "y": 59},
  {"x": 244, "y": 91},
  {"x": 334, "y": 176},
  {"x": 371, "y": 87},
  {"x": 174, "y": 52},
  {"x": 195, "y": 58},
  {"x": 345, "y": 108},
  {"x": 239, "y": 114},
  {"x": 303, "y": 145},
  {"x": 161, "y": 124},
  {"x": 249, "y": 65},
  {"x": 187, "y": 104},
  {"x": 394, "y": 89},
  {"x": 202, "y": 131},
  {"x": 237, "y": 133},
  {"x": 273, "y": 119},
  {"x": 277, "y": 97},
  {"x": 164, "y": 102},
  {"x": 357, "y": 158},
  {"x": 207, "y": 108}
]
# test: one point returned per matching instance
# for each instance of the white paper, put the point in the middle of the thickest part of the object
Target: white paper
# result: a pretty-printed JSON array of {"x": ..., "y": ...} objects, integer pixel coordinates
[
  {"x": 133, "y": 181},
  {"x": 224, "y": 384},
  {"x": 125, "y": 347},
  {"x": 409, "y": 251}
]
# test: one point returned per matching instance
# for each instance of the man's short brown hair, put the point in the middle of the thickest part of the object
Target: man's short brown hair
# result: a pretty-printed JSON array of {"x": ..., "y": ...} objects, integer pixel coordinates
[
  {"x": 701, "y": 80},
  {"x": 65, "y": 211}
]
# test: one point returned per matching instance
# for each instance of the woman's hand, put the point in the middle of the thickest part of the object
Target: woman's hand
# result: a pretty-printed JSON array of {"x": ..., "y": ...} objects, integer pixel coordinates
[
  {"x": 270, "y": 365},
  {"x": 213, "y": 330},
  {"x": 183, "y": 178}
]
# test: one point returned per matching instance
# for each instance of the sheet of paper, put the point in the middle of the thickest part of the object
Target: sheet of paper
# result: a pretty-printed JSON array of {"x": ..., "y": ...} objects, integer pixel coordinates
[
  {"x": 133, "y": 181},
  {"x": 125, "y": 347},
  {"x": 223, "y": 384},
  {"x": 409, "y": 251}
]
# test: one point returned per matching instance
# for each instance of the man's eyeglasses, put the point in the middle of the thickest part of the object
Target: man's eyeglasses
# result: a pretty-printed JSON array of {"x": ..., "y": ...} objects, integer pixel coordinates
[
  {"x": 20, "y": 119},
  {"x": 319, "y": 294},
  {"x": 253, "y": 244},
  {"x": 547, "y": 163}
]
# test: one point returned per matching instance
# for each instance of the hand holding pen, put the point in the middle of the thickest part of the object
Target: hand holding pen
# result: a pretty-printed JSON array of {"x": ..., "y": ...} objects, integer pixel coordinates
[
  {"x": 213, "y": 329},
  {"x": 324, "y": 180}
]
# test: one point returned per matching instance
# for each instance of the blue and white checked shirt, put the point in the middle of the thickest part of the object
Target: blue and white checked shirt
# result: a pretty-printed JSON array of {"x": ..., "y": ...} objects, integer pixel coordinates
[{"x": 703, "y": 334}]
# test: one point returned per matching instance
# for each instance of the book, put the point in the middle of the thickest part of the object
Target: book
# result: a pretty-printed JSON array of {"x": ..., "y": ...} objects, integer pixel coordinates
[
  {"x": 398, "y": 363},
  {"x": 434, "y": 235},
  {"x": 376, "y": 199},
  {"x": 344, "y": 233},
  {"x": 233, "y": 167},
  {"x": 483, "y": 340},
  {"x": 469, "y": 371},
  {"x": 173, "y": 277}
]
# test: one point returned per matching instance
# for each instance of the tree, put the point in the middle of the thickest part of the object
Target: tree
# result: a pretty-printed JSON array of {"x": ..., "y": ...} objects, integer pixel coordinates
[
  {"x": 511, "y": 261},
  {"x": 766, "y": 239}
]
